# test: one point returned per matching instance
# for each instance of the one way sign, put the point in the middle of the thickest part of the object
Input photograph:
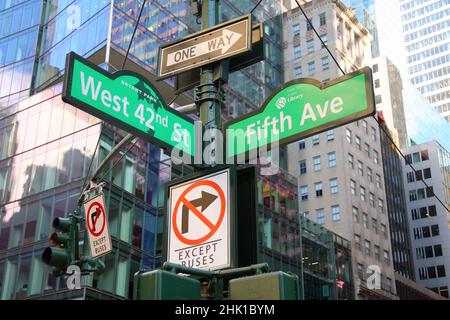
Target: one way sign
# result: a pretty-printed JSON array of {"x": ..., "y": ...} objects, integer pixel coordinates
[
  {"x": 199, "y": 222},
  {"x": 207, "y": 46}
]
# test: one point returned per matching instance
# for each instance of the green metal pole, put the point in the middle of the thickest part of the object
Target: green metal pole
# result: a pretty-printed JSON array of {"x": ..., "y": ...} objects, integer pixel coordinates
[{"x": 208, "y": 99}]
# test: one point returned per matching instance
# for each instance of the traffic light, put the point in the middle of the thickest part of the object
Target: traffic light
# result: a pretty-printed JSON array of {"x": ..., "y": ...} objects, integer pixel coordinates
[{"x": 62, "y": 254}]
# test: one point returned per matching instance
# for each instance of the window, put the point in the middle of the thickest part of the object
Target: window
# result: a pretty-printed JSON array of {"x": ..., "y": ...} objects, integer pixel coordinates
[
  {"x": 296, "y": 29},
  {"x": 423, "y": 212},
  {"x": 412, "y": 195},
  {"x": 432, "y": 211},
  {"x": 427, "y": 173},
  {"x": 417, "y": 233},
  {"x": 378, "y": 181},
  {"x": 315, "y": 139},
  {"x": 377, "y": 83},
  {"x": 421, "y": 194},
  {"x": 324, "y": 41},
  {"x": 366, "y": 220},
  {"x": 360, "y": 168},
  {"x": 408, "y": 159},
  {"x": 351, "y": 161},
  {"x": 306, "y": 215},
  {"x": 320, "y": 216},
  {"x": 311, "y": 68},
  {"x": 368, "y": 247},
  {"x": 375, "y": 68},
  {"x": 372, "y": 199},
  {"x": 367, "y": 149},
  {"x": 375, "y": 225},
  {"x": 332, "y": 160},
  {"x": 374, "y": 134},
  {"x": 298, "y": 72},
  {"x": 323, "y": 19},
  {"x": 334, "y": 186},
  {"x": 310, "y": 45},
  {"x": 424, "y": 155},
  {"x": 418, "y": 175},
  {"x": 384, "y": 231},
  {"x": 370, "y": 174},
  {"x": 355, "y": 211},
  {"x": 319, "y": 190},
  {"x": 416, "y": 157},
  {"x": 389, "y": 285},
  {"x": 429, "y": 252},
  {"x": 348, "y": 135},
  {"x": 376, "y": 251},
  {"x": 309, "y": 24},
  {"x": 378, "y": 99},
  {"x": 330, "y": 135},
  {"x": 353, "y": 187},
  {"x": 434, "y": 230},
  {"x": 302, "y": 166},
  {"x": 358, "y": 142},
  {"x": 430, "y": 192},
  {"x": 364, "y": 124},
  {"x": 362, "y": 192},
  {"x": 304, "y": 193},
  {"x": 415, "y": 214},
  {"x": 410, "y": 177},
  {"x": 387, "y": 259},
  {"x": 360, "y": 271},
  {"x": 316, "y": 163},
  {"x": 335, "y": 213},
  {"x": 431, "y": 272},
  {"x": 301, "y": 144},
  {"x": 440, "y": 271},
  {"x": 325, "y": 62},
  {"x": 426, "y": 232},
  {"x": 380, "y": 206},
  {"x": 297, "y": 52},
  {"x": 375, "y": 157},
  {"x": 358, "y": 241}
]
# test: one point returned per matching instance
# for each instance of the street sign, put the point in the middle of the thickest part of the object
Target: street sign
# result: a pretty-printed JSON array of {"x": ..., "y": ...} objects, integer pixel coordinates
[
  {"x": 97, "y": 226},
  {"x": 217, "y": 43},
  {"x": 128, "y": 101},
  {"x": 191, "y": 78},
  {"x": 199, "y": 222},
  {"x": 301, "y": 108}
]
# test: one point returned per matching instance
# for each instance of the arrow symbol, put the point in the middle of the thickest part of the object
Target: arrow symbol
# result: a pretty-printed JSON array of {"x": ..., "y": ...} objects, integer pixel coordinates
[
  {"x": 223, "y": 42},
  {"x": 204, "y": 202}
]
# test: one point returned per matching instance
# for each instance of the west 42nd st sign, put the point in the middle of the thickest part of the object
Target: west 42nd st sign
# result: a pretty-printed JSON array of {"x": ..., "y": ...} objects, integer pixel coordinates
[
  {"x": 301, "y": 108},
  {"x": 128, "y": 101}
]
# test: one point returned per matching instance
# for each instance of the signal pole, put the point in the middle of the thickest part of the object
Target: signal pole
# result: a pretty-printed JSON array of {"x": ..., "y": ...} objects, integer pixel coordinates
[{"x": 209, "y": 94}]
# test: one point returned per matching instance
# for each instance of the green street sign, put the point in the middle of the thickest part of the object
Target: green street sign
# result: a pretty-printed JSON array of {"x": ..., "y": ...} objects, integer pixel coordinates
[
  {"x": 301, "y": 108},
  {"x": 128, "y": 101}
]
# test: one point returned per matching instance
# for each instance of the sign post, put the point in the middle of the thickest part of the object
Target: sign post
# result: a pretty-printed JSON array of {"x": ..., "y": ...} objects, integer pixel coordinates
[
  {"x": 97, "y": 226},
  {"x": 301, "y": 108},
  {"x": 199, "y": 218}
]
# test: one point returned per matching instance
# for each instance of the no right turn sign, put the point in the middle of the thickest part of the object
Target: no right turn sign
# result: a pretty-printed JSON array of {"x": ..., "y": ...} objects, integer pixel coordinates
[{"x": 199, "y": 222}]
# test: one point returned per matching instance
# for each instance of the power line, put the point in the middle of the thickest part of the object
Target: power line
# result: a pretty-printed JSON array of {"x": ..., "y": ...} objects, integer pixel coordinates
[
  {"x": 134, "y": 32},
  {"x": 376, "y": 119},
  {"x": 259, "y": 2}
]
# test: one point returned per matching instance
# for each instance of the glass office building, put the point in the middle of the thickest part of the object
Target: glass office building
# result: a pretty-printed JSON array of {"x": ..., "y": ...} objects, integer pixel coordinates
[{"x": 46, "y": 146}]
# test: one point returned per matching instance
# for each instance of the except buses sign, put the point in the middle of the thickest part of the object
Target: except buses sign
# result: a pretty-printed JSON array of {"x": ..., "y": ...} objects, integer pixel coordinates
[
  {"x": 301, "y": 108},
  {"x": 128, "y": 101}
]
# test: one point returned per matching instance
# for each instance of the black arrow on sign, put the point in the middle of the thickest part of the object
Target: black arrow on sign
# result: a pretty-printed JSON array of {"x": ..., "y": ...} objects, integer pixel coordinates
[{"x": 204, "y": 202}]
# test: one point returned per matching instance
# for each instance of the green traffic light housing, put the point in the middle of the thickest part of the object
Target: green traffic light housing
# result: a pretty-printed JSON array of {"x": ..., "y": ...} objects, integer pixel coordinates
[{"x": 62, "y": 253}]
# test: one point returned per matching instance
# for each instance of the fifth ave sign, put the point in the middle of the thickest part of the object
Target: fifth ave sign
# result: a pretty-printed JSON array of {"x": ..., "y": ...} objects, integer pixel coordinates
[{"x": 217, "y": 43}]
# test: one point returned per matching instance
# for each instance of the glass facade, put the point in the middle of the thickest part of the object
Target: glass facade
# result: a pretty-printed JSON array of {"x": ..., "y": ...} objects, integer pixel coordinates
[{"x": 47, "y": 146}]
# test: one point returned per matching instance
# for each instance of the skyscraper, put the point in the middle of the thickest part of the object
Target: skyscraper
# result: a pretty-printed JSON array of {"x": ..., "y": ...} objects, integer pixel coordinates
[
  {"x": 340, "y": 174},
  {"x": 426, "y": 39}
]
